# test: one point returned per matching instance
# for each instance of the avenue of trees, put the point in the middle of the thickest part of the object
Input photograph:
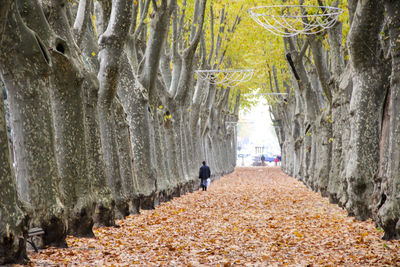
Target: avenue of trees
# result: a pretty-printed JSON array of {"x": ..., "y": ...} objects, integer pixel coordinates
[
  {"x": 103, "y": 114},
  {"x": 339, "y": 124}
]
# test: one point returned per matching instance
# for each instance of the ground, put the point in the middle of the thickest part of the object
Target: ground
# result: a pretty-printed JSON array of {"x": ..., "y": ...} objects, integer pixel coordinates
[{"x": 256, "y": 216}]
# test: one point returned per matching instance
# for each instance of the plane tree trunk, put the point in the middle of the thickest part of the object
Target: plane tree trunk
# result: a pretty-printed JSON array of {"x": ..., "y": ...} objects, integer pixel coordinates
[
  {"x": 104, "y": 214},
  {"x": 386, "y": 201},
  {"x": 85, "y": 35},
  {"x": 111, "y": 44},
  {"x": 366, "y": 106},
  {"x": 125, "y": 158},
  {"x": 134, "y": 100},
  {"x": 25, "y": 69},
  {"x": 66, "y": 93},
  {"x": 13, "y": 218}
]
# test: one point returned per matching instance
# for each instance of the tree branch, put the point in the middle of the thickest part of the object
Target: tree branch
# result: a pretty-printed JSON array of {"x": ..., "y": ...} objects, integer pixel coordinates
[
  {"x": 111, "y": 43},
  {"x": 105, "y": 13},
  {"x": 155, "y": 7},
  {"x": 143, "y": 14},
  {"x": 33, "y": 16},
  {"x": 352, "y": 6},
  {"x": 196, "y": 39},
  {"x": 195, "y": 19},
  {"x": 220, "y": 32},
  {"x": 176, "y": 58},
  {"x": 81, "y": 20},
  {"x": 203, "y": 50},
  {"x": 135, "y": 11},
  {"x": 304, "y": 49},
  {"x": 275, "y": 79},
  {"x": 363, "y": 40},
  {"x": 182, "y": 20},
  {"x": 237, "y": 105},
  {"x": 158, "y": 31},
  {"x": 212, "y": 34},
  {"x": 4, "y": 7}
]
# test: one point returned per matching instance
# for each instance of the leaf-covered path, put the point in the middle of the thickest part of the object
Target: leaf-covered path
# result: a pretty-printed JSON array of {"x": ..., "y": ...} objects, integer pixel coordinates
[{"x": 254, "y": 216}]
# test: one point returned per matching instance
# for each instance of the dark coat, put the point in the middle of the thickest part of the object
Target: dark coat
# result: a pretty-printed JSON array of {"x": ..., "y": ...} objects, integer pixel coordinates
[{"x": 204, "y": 172}]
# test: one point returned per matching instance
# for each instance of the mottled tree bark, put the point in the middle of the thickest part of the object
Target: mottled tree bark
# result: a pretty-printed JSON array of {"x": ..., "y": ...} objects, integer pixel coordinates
[
  {"x": 369, "y": 91},
  {"x": 164, "y": 179},
  {"x": 183, "y": 93},
  {"x": 13, "y": 219},
  {"x": 158, "y": 29},
  {"x": 173, "y": 155},
  {"x": 386, "y": 199},
  {"x": 86, "y": 37},
  {"x": 111, "y": 44},
  {"x": 199, "y": 94},
  {"x": 67, "y": 106},
  {"x": 337, "y": 186},
  {"x": 204, "y": 119},
  {"x": 306, "y": 111},
  {"x": 323, "y": 127},
  {"x": 339, "y": 111},
  {"x": 32, "y": 129},
  {"x": 142, "y": 108},
  {"x": 12, "y": 242},
  {"x": 125, "y": 158},
  {"x": 104, "y": 212},
  {"x": 134, "y": 99},
  {"x": 4, "y": 8}
]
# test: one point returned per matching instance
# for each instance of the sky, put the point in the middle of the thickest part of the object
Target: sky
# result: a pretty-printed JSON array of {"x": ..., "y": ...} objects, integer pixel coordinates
[{"x": 255, "y": 130}]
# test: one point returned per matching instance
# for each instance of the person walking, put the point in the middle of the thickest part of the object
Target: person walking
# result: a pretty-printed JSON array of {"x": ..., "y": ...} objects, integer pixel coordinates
[{"x": 204, "y": 174}]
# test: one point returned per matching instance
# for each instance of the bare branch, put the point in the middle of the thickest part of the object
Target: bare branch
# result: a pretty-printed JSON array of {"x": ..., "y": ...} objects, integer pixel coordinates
[
  {"x": 221, "y": 59},
  {"x": 159, "y": 27},
  {"x": 195, "y": 19},
  {"x": 352, "y": 6},
  {"x": 135, "y": 11},
  {"x": 275, "y": 79},
  {"x": 196, "y": 38},
  {"x": 81, "y": 20},
  {"x": 111, "y": 43},
  {"x": 182, "y": 20},
  {"x": 176, "y": 58},
  {"x": 212, "y": 34},
  {"x": 203, "y": 52},
  {"x": 143, "y": 14},
  {"x": 220, "y": 32},
  {"x": 304, "y": 49},
  {"x": 237, "y": 21},
  {"x": 237, "y": 105},
  {"x": 103, "y": 12}
]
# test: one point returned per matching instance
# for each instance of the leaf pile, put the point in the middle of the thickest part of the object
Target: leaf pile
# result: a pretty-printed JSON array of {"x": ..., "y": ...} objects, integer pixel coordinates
[{"x": 254, "y": 216}]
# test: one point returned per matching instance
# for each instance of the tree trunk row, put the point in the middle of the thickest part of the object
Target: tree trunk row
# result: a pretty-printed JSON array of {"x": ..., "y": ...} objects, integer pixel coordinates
[
  {"x": 339, "y": 126},
  {"x": 95, "y": 131}
]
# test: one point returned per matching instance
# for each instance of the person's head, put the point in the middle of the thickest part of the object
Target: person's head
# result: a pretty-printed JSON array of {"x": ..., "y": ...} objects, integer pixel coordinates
[{"x": 204, "y": 163}]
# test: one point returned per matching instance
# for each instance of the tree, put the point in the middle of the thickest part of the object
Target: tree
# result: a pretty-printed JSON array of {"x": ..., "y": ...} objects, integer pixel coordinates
[
  {"x": 13, "y": 220},
  {"x": 355, "y": 97},
  {"x": 385, "y": 204},
  {"x": 25, "y": 68},
  {"x": 111, "y": 43}
]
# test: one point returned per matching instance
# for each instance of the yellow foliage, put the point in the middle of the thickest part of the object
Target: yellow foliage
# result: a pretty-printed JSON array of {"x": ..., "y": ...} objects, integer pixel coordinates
[{"x": 253, "y": 47}]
